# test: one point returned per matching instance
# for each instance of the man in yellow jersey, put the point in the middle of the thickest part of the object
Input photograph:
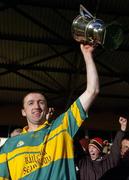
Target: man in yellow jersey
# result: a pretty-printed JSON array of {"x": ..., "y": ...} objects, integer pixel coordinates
[{"x": 44, "y": 151}]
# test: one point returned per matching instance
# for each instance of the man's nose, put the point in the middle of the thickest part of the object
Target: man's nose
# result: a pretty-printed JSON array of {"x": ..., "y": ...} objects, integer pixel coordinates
[
  {"x": 92, "y": 149},
  {"x": 37, "y": 105}
]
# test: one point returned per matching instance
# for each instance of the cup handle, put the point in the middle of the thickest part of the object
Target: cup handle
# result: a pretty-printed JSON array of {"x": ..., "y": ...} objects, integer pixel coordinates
[{"x": 85, "y": 12}]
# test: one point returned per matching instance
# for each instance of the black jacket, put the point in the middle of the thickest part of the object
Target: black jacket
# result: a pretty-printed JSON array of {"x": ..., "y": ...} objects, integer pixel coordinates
[
  {"x": 120, "y": 172},
  {"x": 94, "y": 170}
]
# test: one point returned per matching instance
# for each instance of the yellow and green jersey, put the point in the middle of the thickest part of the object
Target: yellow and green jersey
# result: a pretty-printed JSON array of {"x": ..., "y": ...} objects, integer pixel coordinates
[{"x": 44, "y": 154}]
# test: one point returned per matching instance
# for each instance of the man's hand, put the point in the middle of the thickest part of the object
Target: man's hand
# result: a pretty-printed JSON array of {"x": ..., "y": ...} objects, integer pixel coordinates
[
  {"x": 123, "y": 123},
  {"x": 86, "y": 48},
  {"x": 50, "y": 113}
]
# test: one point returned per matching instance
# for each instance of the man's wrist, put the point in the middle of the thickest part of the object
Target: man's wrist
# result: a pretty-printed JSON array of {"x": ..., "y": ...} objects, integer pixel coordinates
[{"x": 123, "y": 128}]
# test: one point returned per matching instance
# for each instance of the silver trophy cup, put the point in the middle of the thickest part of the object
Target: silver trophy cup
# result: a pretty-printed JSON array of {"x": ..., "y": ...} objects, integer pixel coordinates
[{"x": 87, "y": 29}]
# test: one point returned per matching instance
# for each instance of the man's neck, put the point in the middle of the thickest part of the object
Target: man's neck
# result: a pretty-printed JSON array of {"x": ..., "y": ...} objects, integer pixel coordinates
[{"x": 32, "y": 128}]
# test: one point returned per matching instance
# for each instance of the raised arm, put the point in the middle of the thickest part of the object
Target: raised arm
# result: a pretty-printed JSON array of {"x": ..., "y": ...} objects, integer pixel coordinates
[
  {"x": 114, "y": 155},
  {"x": 92, "y": 88}
]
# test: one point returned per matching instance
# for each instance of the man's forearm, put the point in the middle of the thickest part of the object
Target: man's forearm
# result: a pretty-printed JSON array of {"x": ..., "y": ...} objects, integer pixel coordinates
[{"x": 92, "y": 88}]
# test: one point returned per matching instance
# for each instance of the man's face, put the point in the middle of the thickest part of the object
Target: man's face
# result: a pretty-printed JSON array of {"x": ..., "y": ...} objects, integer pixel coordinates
[
  {"x": 124, "y": 147},
  {"x": 35, "y": 108},
  {"x": 94, "y": 152}
]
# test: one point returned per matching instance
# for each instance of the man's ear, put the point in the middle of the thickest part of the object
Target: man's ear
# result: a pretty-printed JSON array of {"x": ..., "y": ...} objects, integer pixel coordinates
[{"x": 23, "y": 112}]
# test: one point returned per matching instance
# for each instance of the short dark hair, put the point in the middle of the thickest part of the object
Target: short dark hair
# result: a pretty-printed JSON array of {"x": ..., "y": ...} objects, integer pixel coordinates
[{"x": 31, "y": 92}]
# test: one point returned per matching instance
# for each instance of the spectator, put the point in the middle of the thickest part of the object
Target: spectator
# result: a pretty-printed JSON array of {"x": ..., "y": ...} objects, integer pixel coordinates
[
  {"x": 94, "y": 165},
  {"x": 16, "y": 132},
  {"x": 121, "y": 171},
  {"x": 107, "y": 147},
  {"x": 124, "y": 146}
]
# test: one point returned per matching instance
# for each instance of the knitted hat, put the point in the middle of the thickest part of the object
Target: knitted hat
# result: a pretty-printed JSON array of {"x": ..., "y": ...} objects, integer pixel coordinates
[{"x": 97, "y": 142}]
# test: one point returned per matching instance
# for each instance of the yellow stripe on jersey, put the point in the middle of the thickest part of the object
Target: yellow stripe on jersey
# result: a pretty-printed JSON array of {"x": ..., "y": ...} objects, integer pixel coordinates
[
  {"x": 76, "y": 114},
  {"x": 46, "y": 155},
  {"x": 2, "y": 178},
  {"x": 2, "y": 158}
]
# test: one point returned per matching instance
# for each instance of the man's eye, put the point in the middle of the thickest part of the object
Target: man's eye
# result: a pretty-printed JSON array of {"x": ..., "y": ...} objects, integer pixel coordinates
[
  {"x": 41, "y": 102},
  {"x": 30, "y": 103}
]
